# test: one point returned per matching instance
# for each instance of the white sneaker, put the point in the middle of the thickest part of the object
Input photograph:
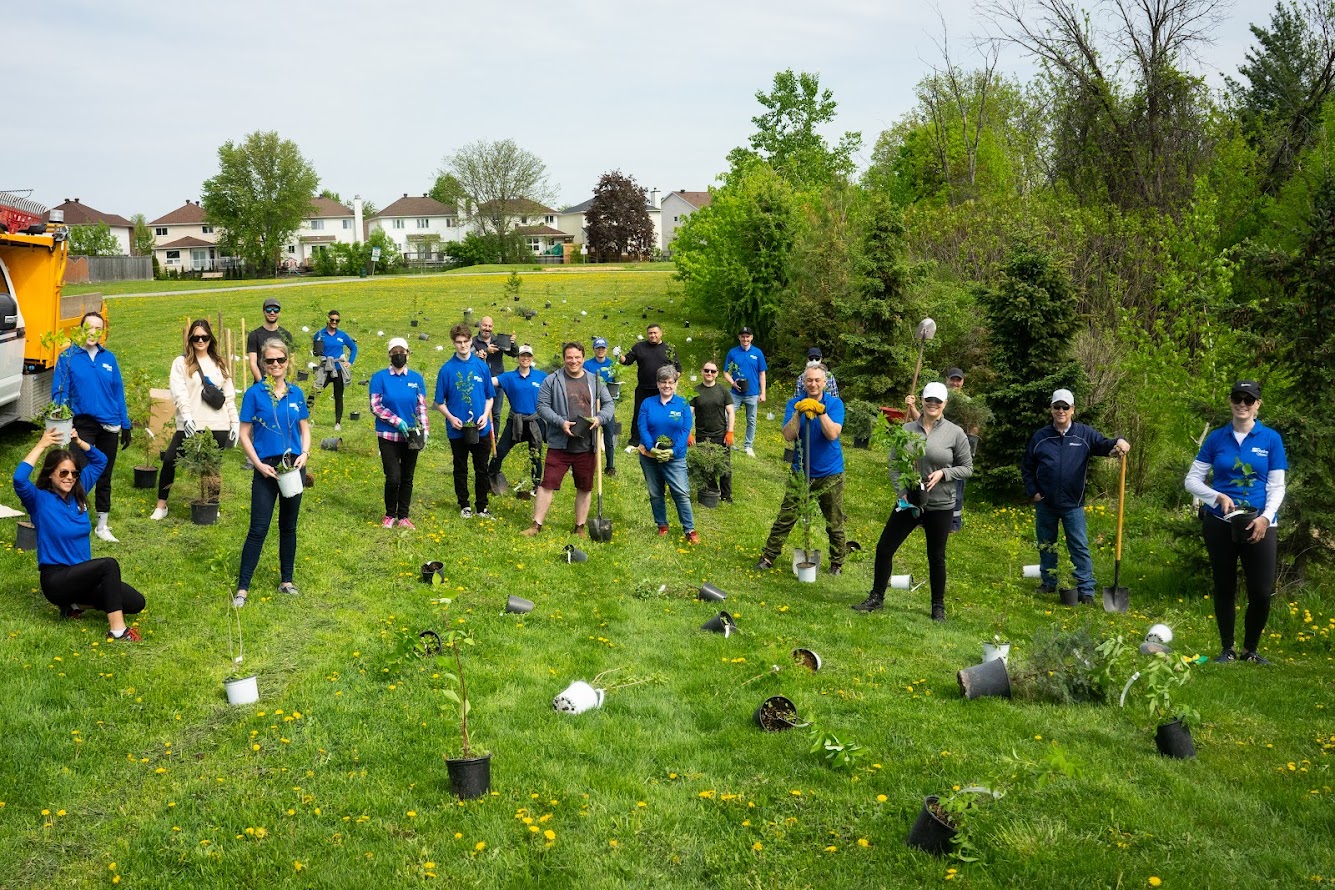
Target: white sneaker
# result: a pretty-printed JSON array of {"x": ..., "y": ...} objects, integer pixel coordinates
[
  {"x": 466, "y": 512},
  {"x": 338, "y": 427},
  {"x": 631, "y": 449},
  {"x": 105, "y": 534},
  {"x": 750, "y": 452},
  {"x": 159, "y": 513}
]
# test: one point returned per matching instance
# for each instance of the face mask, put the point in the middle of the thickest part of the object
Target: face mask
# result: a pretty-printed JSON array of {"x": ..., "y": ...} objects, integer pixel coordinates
[{"x": 399, "y": 359}]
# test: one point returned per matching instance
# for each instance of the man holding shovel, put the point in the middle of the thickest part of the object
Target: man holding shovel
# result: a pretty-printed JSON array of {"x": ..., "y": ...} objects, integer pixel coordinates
[{"x": 1054, "y": 468}]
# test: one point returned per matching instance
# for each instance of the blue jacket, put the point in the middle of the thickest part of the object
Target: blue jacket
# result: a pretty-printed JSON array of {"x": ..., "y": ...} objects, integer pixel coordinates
[
  {"x": 91, "y": 385},
  {"x": 62, "y": 528},
  {"x": 1055, "y": 465},
  {"x": 673, "y": 420},
  {"x": 335, "y": 342}
]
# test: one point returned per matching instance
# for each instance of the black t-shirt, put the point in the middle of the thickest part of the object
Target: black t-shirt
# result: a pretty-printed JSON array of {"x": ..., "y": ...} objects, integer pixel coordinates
[
  {"x": 711, "y": 410},
  {"x": 650, "y": 357},
  {"x": 257, "y": 337},
  {"x": 495, "y": 360},
  {"x": 577, "y": 405}
]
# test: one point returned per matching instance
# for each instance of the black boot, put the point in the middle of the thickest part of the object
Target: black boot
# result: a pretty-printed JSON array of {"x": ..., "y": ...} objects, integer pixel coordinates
[
  {"x": 873, "y": 603},
  {"x": 939, "y": 612}
]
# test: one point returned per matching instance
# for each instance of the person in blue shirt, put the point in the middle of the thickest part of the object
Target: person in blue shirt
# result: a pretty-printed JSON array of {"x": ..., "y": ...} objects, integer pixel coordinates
[
  {"x": 58, "y": 507},
  {"x": 814, "y": 422},
  {"x": 605, "y": 367},
  {"x": 464, "y": 394},
  {"x": 1249, "y": 470},
  {"x": 398, "y": 401},
  {"x": 524, "y": 427},
  {"x": 275, "y": 431},
  {"x": 745, "y": 372},
  {"x": 667, "y": 416},
  {"x": 88, "y": 379},
  {"x": 336, "y": 368}
]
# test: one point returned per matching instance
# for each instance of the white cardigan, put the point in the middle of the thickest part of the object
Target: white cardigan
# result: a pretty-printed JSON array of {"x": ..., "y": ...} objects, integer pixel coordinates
[{"x": 187, "y": 394}]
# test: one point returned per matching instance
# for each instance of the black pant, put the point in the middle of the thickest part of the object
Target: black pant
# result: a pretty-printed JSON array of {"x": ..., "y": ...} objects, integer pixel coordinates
[
  {"x": 531, "y": 435},
  {"x": 1258, "y": 565},
  {"x": 640, "y": 396},
  {"x": 108, "y": 443},
  {"x": 95, "y": 583},
  {"x": 400, "y": 464},
  {"x": 725, "y": 481},
  {"x": 337, "y": 383},
  {"x": 167, "y": 475},
  {"x": 480, "y": 452},
  {"x": 936, "y": 526}
]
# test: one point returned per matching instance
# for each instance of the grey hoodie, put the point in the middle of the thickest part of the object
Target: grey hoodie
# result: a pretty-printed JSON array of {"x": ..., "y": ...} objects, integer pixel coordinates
[
  {"x": 947, "y": 450},
  {"x": 554, "y": 410}
]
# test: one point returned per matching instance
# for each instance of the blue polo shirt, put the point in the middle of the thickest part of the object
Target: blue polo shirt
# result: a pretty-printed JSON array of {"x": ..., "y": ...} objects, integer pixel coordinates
[
  {"x": 463, "y": 387},
  {"x": 335, "y": 343},
  {"x": 91, "y": 385},
  {"x": 62, "y": 528},
  {"x": 603, "y": 369},
  {"x": 398, "y": 394},
  {"x": 522, "y": 391},
  {"x": 748, "y": 365},
  {"x": 1262, "y": 450},
  {"x": 827, "y": 458},
  {"x": 672, "y": 420},
  {"x": 275, "y": 425}
]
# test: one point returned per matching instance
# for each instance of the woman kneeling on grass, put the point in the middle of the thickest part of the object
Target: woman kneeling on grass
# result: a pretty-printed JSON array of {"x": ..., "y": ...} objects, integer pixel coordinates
[
  {"x": 275, "y": 428},
  {"x": 58, "y": 505}
]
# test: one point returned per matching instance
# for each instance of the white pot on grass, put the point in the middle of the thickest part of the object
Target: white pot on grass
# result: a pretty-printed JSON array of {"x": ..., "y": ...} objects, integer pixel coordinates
[
  {"x": 993, "y": 651},
  {"x": 806, "y": 572},
  {"x": 242, "y": 690}
]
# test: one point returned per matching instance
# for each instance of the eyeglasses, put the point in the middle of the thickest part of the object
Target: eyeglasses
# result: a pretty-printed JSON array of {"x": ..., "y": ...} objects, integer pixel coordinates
[
  {"x": 65, "y": 474},
  {"x": 1061, "y": 406},
  {"x": 275, "y": 361},
  {"x": 1242, "y": 399},
  {"x": 200, "y": 338}
]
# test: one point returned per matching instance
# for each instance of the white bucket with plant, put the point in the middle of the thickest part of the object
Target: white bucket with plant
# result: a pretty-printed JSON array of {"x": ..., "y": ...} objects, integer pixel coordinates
[{"x": 289, "y": 478}]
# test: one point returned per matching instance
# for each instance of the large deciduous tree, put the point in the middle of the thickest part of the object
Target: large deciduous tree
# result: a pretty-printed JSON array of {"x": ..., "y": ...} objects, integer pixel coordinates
[
  {"x": 503, "y": 183},
  {"x": 259, "y": 197},
  {"x": 95, "y": 240},
  {"x": 617, "y": 223},
  {"x": 141, "y": 241},
  {"x": 448, "y": 190}
]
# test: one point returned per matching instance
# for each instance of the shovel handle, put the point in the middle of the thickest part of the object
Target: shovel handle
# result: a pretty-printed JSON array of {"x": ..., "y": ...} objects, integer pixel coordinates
[{"x": 1121, "y": 505}]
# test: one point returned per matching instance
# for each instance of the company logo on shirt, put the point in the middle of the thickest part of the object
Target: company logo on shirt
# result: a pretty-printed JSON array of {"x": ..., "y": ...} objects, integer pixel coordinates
[
  {"x": 107, "y": 367},
  {"x": 675, "y": 415},
  {"x": 536, "y": 385},
  {"x": 1261, "y": 452},
  {"x": 294, "y": 407},
  {"x": 412, "y": 386},
  {"x": 477, "y": 378}
]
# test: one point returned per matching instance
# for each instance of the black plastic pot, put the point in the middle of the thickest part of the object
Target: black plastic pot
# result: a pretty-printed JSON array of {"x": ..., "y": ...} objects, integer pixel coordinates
[
  {"x": 470, "y": 434},
  {"x": 303, "y": 376},
  {"x": 807, "y": 658},
  {"x": 574, "y": 554},
  {"x": 776, "y": 714},
  {"x": 581, "y": 427},
  {"x": 987, "y": 679},
  {"x": 788, "y": 455},
  {"x": 203, "y": 514},
  {"x": 1238, "y": 521},
  {"x": 711, "y": 594},
  {"x": 930, "y": 833},
  {"x": 915, "y": 496},
  {"x": 1069, "y": 596},
  {"x": 1174, "y": 740},
  {"x": 470, "y": 778},
  {"x": 614, "y": 390},
  {"x": 331, "y": 444},
  {"x": 721, "y": 623},
  {"x": 430, "y": 570},
  {"x": 423, "y": 336},
  {"x": 503, "y": 342},
  {"x": 709, "y": 497},
  {"x": 26, "y": 537},
  {"x": 862, "y": 441},
  {"x": 413, "y": 323},
  {"x": 354, "y": 415},
  {"x": 742, "y": 385},
  {"x": 145, "y": 477},
  {"x": 518, "y": 604}
]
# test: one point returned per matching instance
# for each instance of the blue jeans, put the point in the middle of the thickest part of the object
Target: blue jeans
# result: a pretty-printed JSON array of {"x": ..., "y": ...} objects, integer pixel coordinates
[
  {"x": 671, "y": 475},
  {"x": 957, "y": 519},
  {"x": 263, "y": 494},
  {"x": 1077, "y": 544},
  {"x": 752, "y": 403}
]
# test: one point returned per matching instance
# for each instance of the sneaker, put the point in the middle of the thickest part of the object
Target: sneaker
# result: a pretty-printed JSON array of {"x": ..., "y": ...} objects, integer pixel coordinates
[
  {"x": 338, "y": 427},
  {"x": 130, "y": 635},
  {"x": 466, "y": 512},
  {"x": 239, "y": 599},
  {"x": 580, "y": 531},
  {"x": 836, "y": 570},
  {"x": 483, "y": 513},
  {"x": 662, "y": 530},
  {"x": 1253, "y": 658},
  {"x": 159, "y": 513},
  {"x": 939, "y": 612},
  {"x": 750, "y": 452},
  {"x": 1226, "y": 656},
  {"x": 873, "y": 603},
  {"x": 408, "y": 524},
  {"x": 764, "y": 564},
  {"x": 533, "y": 530},
  {"x": 610, "y": 472},
  {"x": 289, "y": 588},
  {"x": 105, "y": 534},
  {"x": 71, "y": 612},
  {"x": 387, "y": 522},
  {"x": 631, "y": 449},
  {"x": 1043, "y": 588},
  {"x": 692, "y": 537}
]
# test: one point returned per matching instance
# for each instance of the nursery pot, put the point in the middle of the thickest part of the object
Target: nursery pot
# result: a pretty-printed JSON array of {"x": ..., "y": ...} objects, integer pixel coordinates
[
  {"x": 721, "y": 623},
  {"x": 303, "y": 376},
  {"x": 807, "y": 658},
  {"x": 614, "y": 390},
  {"x": 242, "y": 690},
  {"x": 1174, "y": 740},
  {"x": 1033, "y": 571},
  {"x": 580, "y": 428},
  {"x": 470, "y": 778},
  {"x": 993, "y": 651},
  {"x": 145, "y": 477},
  {"x": 1069, "y": 596},
  {"x": 578, "y": 697},
  {"x": 203, "y": 514},
  {"x": 64, "y": 427},
  {"x": 986, "y": 679},
  {"x": 710, "y": 593},
  {"x": 26, "y": 538},
  {"x": 574, "y": 554},
  {"x": 518, "y": 605},
  {"x": 430, "y": 570},
  {"x": 901, "y": 582},
  {"x": 930, "y": 833},
  {"x": 862, "y": 441},
  {"x": 413, "y": 323},
  {"x": 709, "y": 497},
  {"x": 788, "y": 455},
  {"x": 331, "y": 444},
  {"x": 1238, "y": 520},
  {"x": 915, "y": 496},
  {"x": 354, "y": 415},
  {"x": 742, "y": 384},
  {"x": 289, "y": 484},
  {"x": 503, "y": 342},
  {"x": 470, "y": 434},
  {"x": 776, "y": 714},
  {"x": 806, "y": 572}
]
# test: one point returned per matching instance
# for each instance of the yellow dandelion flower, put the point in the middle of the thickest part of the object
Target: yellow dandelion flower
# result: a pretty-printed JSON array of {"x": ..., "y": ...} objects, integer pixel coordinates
[
  {"x": 881, "y": 798},
  {"x": 1155, "y": 881},
  {"x": 863, "y": 842},
  {"x": 480, "y": 846},
  {"x": 549, "y": 834},
  {"x": 757, "y": 846},
  {"x": 296, "y": 865}
]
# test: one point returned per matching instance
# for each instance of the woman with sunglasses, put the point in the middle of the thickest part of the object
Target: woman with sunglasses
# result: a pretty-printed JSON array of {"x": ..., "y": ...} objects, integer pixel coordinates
[
  {"x": 213, "y": 411},
  {"x": 275, "y": 428},
  {"x": 58, "y": 506},
  {"x": 1248, "y": 465}
]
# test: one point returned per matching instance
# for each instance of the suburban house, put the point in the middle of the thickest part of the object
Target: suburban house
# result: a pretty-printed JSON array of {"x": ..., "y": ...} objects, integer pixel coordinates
[
  {"x": 535, "y": 222},
  {"x": 676, "y": 207},
  {"x": 329, "y": 222},
  {"x": 79, "y": 214},
  {"x": 183, "y": 241},
  {"x": 419, "y": 226},
  {"x": 571, "y": 220}
]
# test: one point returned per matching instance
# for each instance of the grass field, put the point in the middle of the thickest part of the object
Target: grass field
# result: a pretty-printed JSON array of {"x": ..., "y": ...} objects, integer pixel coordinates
[{"x": 125, "y": 764}]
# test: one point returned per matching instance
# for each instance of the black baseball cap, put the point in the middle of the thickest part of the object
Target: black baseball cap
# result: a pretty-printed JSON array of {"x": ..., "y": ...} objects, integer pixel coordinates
[
  {"x": 1246, "y": 387},
  {"x": 271, "y": 303},
  {"x": 814, "y": 352},
  {"x": 955, "y": 372},
  {"x": 744, "y": 331}
]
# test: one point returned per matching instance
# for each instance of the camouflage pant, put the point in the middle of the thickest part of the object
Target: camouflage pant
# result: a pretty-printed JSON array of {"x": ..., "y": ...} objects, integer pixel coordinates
[{"x": 829, "y": 493}]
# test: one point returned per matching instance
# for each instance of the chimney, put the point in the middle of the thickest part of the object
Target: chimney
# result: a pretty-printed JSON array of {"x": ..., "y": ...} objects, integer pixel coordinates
[
  {"x": 357, "y": 225},
  {"x": 655, "y": 199}
]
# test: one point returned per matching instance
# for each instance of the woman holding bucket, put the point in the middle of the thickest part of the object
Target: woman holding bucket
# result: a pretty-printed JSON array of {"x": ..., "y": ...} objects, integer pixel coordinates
[
  {"x": 946, "y": 459},
  {"x": 275, "y": 434},
  {"x": 1238, "y": 516}
]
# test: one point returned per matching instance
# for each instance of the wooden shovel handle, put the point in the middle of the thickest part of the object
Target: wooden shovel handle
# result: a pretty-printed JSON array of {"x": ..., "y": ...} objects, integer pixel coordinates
[{"x": 1121, "y": 503}]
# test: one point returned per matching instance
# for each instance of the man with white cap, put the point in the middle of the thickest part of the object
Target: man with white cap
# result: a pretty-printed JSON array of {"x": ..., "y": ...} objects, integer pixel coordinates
[
  {"x": 398, "y": 401},
  {"x": 1054, "y": 468},
  {"x": 524, "y": 426}
]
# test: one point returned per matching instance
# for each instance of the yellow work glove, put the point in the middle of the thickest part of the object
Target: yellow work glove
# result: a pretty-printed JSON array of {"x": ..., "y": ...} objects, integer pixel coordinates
[{"x": 810, "y": 407}]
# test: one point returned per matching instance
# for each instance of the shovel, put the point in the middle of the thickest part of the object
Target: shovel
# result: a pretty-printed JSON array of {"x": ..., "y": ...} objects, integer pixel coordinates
[
  {"x": 926, "y": 331},
  {"x": 600, "y": 528},
  {"x": 1117, "y": 599}
]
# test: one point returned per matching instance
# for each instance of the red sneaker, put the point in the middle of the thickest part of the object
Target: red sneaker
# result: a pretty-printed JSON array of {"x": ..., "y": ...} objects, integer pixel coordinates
[
  {"x": 662, "y": 530},
  {"x": 692, "y": 537},
  {"x": 130, "y": 636}
]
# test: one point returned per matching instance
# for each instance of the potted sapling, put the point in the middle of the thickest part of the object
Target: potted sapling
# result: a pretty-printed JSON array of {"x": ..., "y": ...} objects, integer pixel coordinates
[
  {"x": 139, "y": 400},
  {"x": 201, "y": 457},
  {"x": 612, "y": 379},
  {"x": 58, "y": 417},
  {"x": 470, "y": 776},
  {"x": 464, "y": 382},
  {"x": 1165, "y": 673},
  {"x": 905, "y": 449},
  {"x": 707, "y": 462},
  {"x": 859, "y": 421},
  {"x": 806, "y": 561}
]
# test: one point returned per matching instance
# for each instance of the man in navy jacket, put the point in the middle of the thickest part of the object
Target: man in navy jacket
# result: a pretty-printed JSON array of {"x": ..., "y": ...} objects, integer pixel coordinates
[{"x": 1054, "y": 467}]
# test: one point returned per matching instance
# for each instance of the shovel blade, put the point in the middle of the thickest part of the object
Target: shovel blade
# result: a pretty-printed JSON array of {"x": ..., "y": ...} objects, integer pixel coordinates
[
  {"x": 1116, "y": 599},
  {"x": 499, "y": 484},
  {"x": 926, "y": 329},
  {"x": 600, "y": 530}
]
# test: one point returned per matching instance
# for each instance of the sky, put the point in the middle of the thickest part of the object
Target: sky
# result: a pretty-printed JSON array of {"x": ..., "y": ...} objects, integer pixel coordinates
[{"x": 124, "y": 104}]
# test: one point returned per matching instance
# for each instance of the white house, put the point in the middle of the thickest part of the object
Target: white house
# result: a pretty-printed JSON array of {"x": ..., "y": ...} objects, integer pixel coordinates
[
  {"x": 329, "y": 222},
  {"x": 676, "y": 207},
  {"x": 419, "y": 226},
  {"x": 80, "y": 214},
  {"x": 572, "y": 222},
  {"x": 184, "y": 241},
  {"x": 536, "y": 223}
]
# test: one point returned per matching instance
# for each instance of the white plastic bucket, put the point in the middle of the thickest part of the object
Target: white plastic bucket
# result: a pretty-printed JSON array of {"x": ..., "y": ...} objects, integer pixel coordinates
[
  {"x": 289, "y": 483},
  {"x": 243, "y": 690},
  {"x": 64, "y": 427},
  {"x": 801, "y": 556},
  {"x": 1033, "y": 572},
  {"x": 806, "y": 573},
  {"x": 578, "y": 697},
  {"x": 901, "y": 582},
  {"x": 993, "y": 651}
]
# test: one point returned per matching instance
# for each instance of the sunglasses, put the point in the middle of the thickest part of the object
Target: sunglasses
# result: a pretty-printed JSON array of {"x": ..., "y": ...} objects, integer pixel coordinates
[
  {"x": 1061, "y": 406},
  {"x": 65, "y": 474},
  {"x": 335, "y": 320},
  {"x": 709, "y": 370},
  {"x": 200, "y": 338},
  {"x": 932, "y": 401},
  {"x": 1242, "y": 399},
  {"x": 272, "y": 310},
  {"x": 275, "y": 361}
]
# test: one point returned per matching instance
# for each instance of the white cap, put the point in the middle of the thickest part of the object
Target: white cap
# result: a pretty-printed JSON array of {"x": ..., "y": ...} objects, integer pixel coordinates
[
  {"x": 398, "y": 341},
  {"x": 935, "y": 390},
  {"x": 1063, "y": 395}
]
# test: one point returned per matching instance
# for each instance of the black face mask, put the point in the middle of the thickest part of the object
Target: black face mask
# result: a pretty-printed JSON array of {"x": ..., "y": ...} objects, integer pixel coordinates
[{"x": 399, "y": 359}]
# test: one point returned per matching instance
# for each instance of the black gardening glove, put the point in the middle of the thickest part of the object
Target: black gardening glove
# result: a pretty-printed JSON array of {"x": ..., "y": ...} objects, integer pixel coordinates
[{"x": 126, "y": 437}]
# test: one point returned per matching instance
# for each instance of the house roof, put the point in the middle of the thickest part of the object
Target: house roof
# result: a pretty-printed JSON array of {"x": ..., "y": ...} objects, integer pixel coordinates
[
  {"x": 695, "y": 199},
  {"x": 585, "y": 206},
  {"x": 189, "y": 213},
  {"x": 80, "y": 214},
  {"x": 187, "y": 241},
  {"x": 517, "y": 206},
  {"x": 324, "y": 208},
  {"x": 423, "y": 206},
  {"x": 542, "y": 230}
]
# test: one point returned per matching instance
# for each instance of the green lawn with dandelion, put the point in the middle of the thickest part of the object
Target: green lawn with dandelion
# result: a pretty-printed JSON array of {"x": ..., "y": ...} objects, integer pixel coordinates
[{"x": 124, "y": 764}]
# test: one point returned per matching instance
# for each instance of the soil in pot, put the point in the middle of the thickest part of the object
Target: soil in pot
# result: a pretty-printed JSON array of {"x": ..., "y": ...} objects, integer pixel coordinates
[
  {"x": 931, "y": 833},
  {"x": 145, "y": 477},
  {"x": 470, "y": 778},
  {"x": 807, "y": 658},
  {"x": 203, "y": 514},
  {"x": 1174, "y": 740},
  {"x": 430, "y": 570},
  {"x": 776, "y": 714},
  {"x": 709, "y": 497},
  {"x": 987, "y": 679}
]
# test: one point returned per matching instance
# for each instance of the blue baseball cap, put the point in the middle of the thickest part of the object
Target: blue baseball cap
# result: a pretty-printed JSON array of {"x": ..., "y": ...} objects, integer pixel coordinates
[{"x": 599, "y": 342}]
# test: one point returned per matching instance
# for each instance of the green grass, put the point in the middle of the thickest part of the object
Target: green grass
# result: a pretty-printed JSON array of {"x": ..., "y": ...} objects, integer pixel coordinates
[{"x": 337, "y": 778}]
